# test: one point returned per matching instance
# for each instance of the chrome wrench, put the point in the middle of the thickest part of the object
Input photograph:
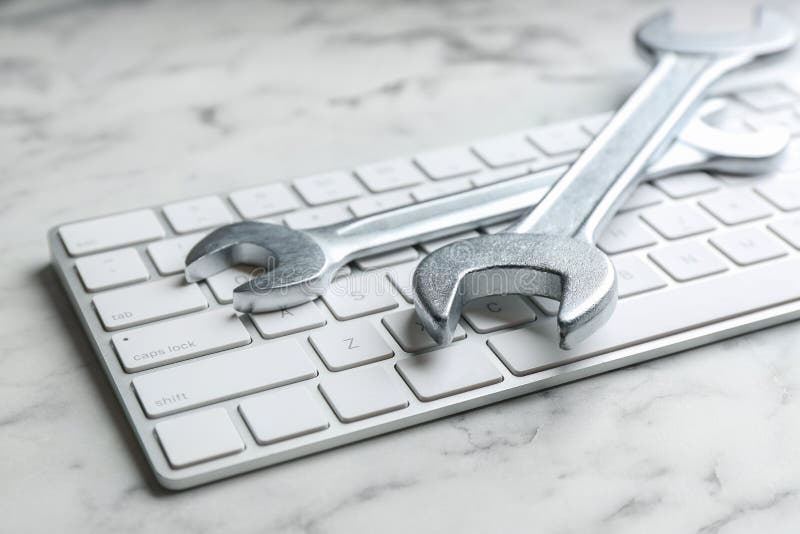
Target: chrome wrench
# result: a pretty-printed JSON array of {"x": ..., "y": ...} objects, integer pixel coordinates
[
  {"x": 550, "y": 251},
  {"x": 301, "y": 263}
]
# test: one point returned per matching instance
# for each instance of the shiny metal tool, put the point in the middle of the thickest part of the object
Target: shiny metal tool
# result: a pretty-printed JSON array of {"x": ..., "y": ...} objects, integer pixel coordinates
[
  {"x": 550, "y": 251},
  {"x": 302, "y": 263}
]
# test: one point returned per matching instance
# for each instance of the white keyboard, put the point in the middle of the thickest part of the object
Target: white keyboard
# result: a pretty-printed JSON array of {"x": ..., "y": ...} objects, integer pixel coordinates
[{"x": 211, "y": 393}]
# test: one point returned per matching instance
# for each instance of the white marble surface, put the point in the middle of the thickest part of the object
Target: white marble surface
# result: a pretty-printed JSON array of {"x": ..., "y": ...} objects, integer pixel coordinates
[{"x": 106, "y": 106}]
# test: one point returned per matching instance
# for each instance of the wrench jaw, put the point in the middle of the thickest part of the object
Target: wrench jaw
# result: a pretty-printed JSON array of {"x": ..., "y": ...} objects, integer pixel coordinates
[
  {"x": 584, "y": 310},
  {"x": 295, "y": 268},
  {"x": 283, "y": 287},
  {"x": 579, "y": 203},
  {"x": 772, "y": 33},
  {"x": 238, "y": 243},
  {"x": 572, "y": 271},
  {"x": 433, "y": 303},
  {"x": 299, "y": 264},
  {"x": 705, "y": 147}
]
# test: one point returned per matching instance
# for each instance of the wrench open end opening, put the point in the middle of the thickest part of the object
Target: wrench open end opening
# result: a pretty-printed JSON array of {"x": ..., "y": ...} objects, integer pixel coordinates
[
  {"x": 771, "y": 33},
  {"x": 294, "y": 266},
  {"x": 249, "y": 242},
  {"x": 285, "y": 286},
  {"x": 558, "y": 267}
]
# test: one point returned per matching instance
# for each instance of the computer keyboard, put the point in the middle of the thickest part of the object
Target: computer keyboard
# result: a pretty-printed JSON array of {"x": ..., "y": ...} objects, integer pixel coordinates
[{"x": 211, "y": 393}]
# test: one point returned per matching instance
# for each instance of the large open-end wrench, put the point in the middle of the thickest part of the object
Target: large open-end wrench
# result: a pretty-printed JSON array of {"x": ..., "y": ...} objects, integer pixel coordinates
[
  {"x": 301, "y": 263},
  {"x": 550, "y": 251}
]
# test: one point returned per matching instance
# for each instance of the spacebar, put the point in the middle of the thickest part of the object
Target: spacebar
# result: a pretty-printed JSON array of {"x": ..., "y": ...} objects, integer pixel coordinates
[{"x": 656, "y": 315}]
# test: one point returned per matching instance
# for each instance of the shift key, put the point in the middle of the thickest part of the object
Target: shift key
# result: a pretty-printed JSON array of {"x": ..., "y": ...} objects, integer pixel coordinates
[
  {"x": 228, "y": 375},
  {"x": 179, "y": 339},
  {"x": 143, "y": 303}
]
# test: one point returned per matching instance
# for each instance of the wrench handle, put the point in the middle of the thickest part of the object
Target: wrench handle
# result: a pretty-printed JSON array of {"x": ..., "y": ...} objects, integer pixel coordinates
[
  {"x": 604, "y": 175},
  {"x": 436, "y": 218}
]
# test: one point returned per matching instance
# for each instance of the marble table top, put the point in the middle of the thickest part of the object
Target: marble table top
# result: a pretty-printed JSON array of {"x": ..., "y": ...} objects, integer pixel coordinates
[{"x": 107, "y": 106}]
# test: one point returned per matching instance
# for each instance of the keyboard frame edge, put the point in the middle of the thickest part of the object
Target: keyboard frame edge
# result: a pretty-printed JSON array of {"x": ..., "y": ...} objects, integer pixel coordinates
[{"x": 179, "y": 479}]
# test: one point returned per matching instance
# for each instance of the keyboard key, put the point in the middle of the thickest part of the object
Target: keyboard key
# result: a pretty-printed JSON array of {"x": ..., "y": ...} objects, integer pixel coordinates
[
  {"x": 448, "y": 163},
  {"x": 786, "y": 118},
  {"x": 736, "y": 206},
  {"x": 343, "y": 271},
  {"x": 686, "y": 185},
  {"x": 733, "y": 117},
  {"x": 328, "y": 187},
  {"x": 535, "y": 348},
  {"x": 733, "y": 120},
  {"x": 748, "y": 245},
  {"x": 288, "y": 320},
  {"x": 362, "y": 393},
  {"x": 111, "y": 269},
  {"x": 496, "y": 228},
  {"x": 387, "y": 175},
  {"x": 766, "y": 98},
  {"x": 687, "y": 261},
  {"x": 377, "y": 203},
  {"x": 223, "y": 283},
  {"x": 532, "y": 349},
  {"x": 793, "y": 84},
  {"x": 505, "y": 150},
  {"x": 435, "y": 244},
  {"x": 431, "y": 191},
  {"x": 407, "y": 330},
  {"x": 546, "y": 305},
  {"x": 645, "y": 195},
  {"x": 634, "y": 276},
  {"x": 131, "y": 306},
  {"x": 357, "y": 295},
  {"x": 400, "y": 276},
  {"x": 788, "y": 230},
  {"x": 623, "y": 234},
  {"x": 312, "y": 218},
  {"x": 197, "y": 214},
  {"x": 677, "y": 220},
  {"x": 791, "y": 163},
  {"x": 492, "y": 176},
  {"x": 105, "y": 233},
  {"x": 784, "y": 194},
  {"x": 553, "y": 163},
  {"x": 350, "y": 345},
  {"x": 595, "y": 124},
  {"x": 269, "y": 420},
  {"x": 198, "y": 437},
  {"x": 448, "y": 371},
  {"x": 560, "y": 139},
  {"x": 169, "y": 255},
  {"x": 489, "y": 314},
  {"x": 179, "y": 339},
  {"x": 222, "y": 377},
  {"x": 263, "y": 201},
  {"x": 387, "y": 259}
]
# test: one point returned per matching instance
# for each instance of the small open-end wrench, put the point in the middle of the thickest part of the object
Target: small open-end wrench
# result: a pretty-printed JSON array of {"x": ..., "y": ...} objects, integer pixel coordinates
[
  {"x": 301, "y": 263},
  {"x": 550, "y": 251}
]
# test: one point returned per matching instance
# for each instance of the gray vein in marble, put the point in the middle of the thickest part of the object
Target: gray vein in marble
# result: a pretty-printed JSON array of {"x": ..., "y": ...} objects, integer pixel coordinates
[
  {"x": 636, "y": 506},
  {"x": 24, "y": 71},
  {"x": 385, "y": 90},
  {"x": 486, "y": 441},
  {"x": 715, "y": 484},
  {"x": 313, "y": 523},
  {"x": 742, "y": 510},
  {"x": 460, "y": 49},
  {"x": 42, "y": 14},
  {"x": 209, "y": 117}
]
